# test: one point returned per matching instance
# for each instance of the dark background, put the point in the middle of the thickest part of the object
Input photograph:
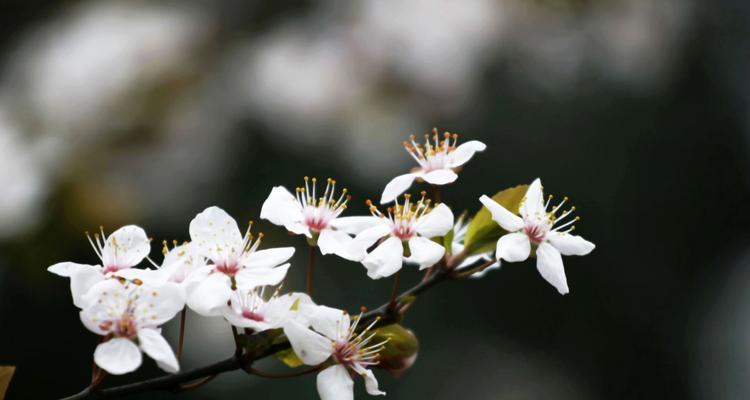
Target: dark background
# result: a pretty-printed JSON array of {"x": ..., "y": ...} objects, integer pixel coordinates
[{"x": 143, "y": 112}]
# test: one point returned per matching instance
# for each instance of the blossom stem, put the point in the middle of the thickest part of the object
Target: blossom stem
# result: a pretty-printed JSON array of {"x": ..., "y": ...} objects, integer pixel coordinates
[
  {"x": 183, "y": 318},
  {"x": 237, "y": 347},
  {"x": 310, "y": 268},
  {"x": 394, "y": 290},
  {"x": 436, "y": 194},
  {"x": 471, "y": 271},
  {"x": 274, "y": 375}
]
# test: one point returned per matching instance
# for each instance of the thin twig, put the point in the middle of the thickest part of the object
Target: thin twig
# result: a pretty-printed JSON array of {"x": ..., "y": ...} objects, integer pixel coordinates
[
  {"x": 310, "y": 268},
  {"x": 276, "y": 375},
  {"x": 183, "y": 317}
]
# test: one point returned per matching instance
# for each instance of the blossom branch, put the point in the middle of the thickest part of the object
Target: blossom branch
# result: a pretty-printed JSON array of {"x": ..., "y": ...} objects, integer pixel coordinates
[{"x": 173, "y": 382}]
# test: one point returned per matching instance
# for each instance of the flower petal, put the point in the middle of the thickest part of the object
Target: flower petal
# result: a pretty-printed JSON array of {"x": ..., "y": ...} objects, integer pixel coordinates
[
  {"x": 82, "y": 281},
  {"x": 385, "y": 260},
  {"x": 396, "y": 186},
  {"x": 436, "y": 223},
  {"x": 341, "y": 244},
  {"x": 249, "y": 278},
  {"x": 532, "y": 205},
  {"x": 126, "y": 247},
  {"x": 209, "y": 295},
  {"x": 570, "y": 245},
  {"x": 331, "y": 322},
  {"x": 513, "y": 247},
  {"x": 354, "y": 225},
  {"x": 311, "y": 347},
  {"x": 278, "y": 309},
  {"x": 440, "y": 177},
  {"x": 163, "y": 302},
  {"x": 424, "y": 252},
  {"x": 506, "y": 219},
  {"x": 550, "y": 266},
  {"x": 215, "y": 234},
  {"x": 371, "y": 384},
  {"x": 154, "y": 344},
  {"x": 334, "y": 383},
  {"x": 463, "y": 153},
  {"x": 369, "y": 236},
  {"x": 118, "y": 356},
  {"x": 282, "y": 208},
  {"x": 268, "y": 258},
  {"x": 67, "y": 269}
]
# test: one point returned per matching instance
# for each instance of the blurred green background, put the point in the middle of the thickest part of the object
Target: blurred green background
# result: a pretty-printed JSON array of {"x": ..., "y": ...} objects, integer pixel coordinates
[{"x": 117, "y": 112}]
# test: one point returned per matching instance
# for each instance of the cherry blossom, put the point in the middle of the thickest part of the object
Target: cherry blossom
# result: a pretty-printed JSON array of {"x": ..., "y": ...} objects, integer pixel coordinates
[
  {"x": 316, "y": 216},
  {"x": 235, "y": 261},
  {"x": 250, "y": 309},
  {"x": 332, "y": 336},
  {"x": 406, "y": 227},
  {"x": 541, "y": 228},
  {"x": 438, "y": 162},
  {"x": 123, "y": 249},
  {"x": 128, "y": 316}
]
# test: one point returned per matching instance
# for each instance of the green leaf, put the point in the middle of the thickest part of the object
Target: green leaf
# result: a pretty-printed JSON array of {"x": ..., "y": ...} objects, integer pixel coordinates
[
  {"x": 6, "y": 374},
  {"x": 289, "y": 357},
  {"x": 483, "y": 232},
  {"x": 448, "y": 242}
]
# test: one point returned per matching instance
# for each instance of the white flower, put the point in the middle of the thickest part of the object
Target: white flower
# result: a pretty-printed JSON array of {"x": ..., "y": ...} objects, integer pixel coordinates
[
  {"x": 123, "y": 249},
  {"x": 334, "y": 338},
  {"x": 542, "y": 228},
  {"x": 235, "y": 262},
  {"x": 408, "y": 225},
  {"x": 178, "y": 264},
  {"x": 128, "y": 316},
  {"x": 438, "y": 161},
  {"x": 249, "y": 309},
  {"x": 315, "y": 217},
  {"x": 457, "y": 246}
]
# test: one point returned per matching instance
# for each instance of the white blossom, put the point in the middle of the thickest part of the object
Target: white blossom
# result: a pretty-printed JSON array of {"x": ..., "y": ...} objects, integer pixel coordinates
[
  {"x": 438, "y": 162},
  {"x": 129, "y": 316},
  {"x": 250, "y": 309},
  {"x": 235, "y": 262},
  {"x": 541, "y": 227},
  {"x": 123, "y": 249},
  {"x": 333, "y": 337},
  {"x": 315, "y": 215},
  {"x": 410, "y": 226}
]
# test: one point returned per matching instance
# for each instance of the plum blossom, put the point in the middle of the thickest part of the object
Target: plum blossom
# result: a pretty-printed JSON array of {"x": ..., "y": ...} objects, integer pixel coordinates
[
  {"x": 250, "y": 309},
  {"x": 123, "y": 249},
  {"x": 317, "y": 217},
  {"x": 438, "y": 162},
  {"x": 457, "y": 246},
  {"x": 129, "y": 316},
  {"x": 335, "y": 338},
  {"x": 235, "y": 262},
  {"x": 408, "y": 226},
  {"x": 179, "y": 262},
  {"x": 545, "y": 230}
]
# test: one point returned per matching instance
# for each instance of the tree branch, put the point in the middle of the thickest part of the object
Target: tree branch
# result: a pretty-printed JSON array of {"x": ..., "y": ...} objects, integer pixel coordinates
[{"x": 386, "y": 312}]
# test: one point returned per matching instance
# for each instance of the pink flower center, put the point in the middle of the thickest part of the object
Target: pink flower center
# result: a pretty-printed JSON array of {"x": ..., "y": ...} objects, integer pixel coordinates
[
  {"x": 229, "y": 268},
  {"x": 535, "y": 233},
  {"x": 110, "y": 268},
  {"x": 316, "y": 224},
  {"x": 252, "y": 315},
  {"x": 125, "y": 327},
  {"x": 403, "y": 231},
  {"x": 344, "y": 353}
]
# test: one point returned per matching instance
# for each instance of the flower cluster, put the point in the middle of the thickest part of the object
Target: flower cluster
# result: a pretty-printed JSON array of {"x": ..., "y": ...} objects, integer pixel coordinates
[{"x": 222, "y": 272}]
